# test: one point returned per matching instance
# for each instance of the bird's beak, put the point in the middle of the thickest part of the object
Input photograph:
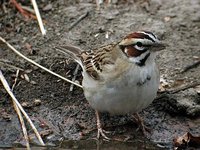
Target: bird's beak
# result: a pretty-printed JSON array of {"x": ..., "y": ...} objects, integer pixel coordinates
[{"x": 158, "y": 46}]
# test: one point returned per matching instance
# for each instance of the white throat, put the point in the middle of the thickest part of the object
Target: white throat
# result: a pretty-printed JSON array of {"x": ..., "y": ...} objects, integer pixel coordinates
[{"x": 138, "y": 59}]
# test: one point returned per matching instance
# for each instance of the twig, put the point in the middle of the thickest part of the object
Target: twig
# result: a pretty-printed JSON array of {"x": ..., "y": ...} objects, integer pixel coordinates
[
  {"x": 28, "y": 9},
  {"x": 11, "y": 66},
  {"x": 173, "y": 91},
  {"x": 38, "y": 17},
  {"x": 23, "y": 125},
  {"x": 74, "y": 78},
  {"x": 78, "y": 20},
  {"x": 163, "y": 94},
  {"x": 6, "y": 86},
  {"x": 191, "y": 66},
  {"x": 19, "y": 8},
  {"x": 75, "y": 72},
  {"x": 31, "y": 61},
  {"x": 4, "y": 8},
  {"x": 16, "y": 77}
]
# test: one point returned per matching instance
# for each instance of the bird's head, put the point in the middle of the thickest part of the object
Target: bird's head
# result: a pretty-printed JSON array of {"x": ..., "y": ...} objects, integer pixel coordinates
[{"x": 138, "y": 46}]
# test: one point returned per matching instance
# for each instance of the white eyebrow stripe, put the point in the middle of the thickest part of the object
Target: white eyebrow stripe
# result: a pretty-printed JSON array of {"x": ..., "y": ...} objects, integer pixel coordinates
[
  {"x": 134, "y": 41},
  {"x": 151, "y": 36}
]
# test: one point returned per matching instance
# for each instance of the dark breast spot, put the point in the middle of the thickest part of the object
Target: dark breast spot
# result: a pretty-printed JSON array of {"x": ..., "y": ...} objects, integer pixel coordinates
[
  {"x": 140, "y": 83},
  {"x": 148, "y": 77}
]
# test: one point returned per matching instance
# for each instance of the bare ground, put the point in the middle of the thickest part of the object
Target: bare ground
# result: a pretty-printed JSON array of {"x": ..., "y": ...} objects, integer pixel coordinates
[{"x": 67, "y": 114}]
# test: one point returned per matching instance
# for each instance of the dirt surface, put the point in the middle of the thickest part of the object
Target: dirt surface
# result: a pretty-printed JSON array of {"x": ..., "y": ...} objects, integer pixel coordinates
[{"x": 66, "y": 114}]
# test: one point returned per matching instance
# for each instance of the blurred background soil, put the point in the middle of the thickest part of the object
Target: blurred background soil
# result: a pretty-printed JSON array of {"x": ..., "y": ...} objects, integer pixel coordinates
[{"x": 64, "y": 115}]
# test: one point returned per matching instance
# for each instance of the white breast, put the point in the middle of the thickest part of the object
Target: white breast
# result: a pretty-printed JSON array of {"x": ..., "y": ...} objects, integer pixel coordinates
[{"x": 129, "y": 93}]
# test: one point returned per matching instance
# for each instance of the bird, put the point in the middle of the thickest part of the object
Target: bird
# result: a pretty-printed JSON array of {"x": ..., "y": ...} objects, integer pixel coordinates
[{"x": 122, "y": 77}]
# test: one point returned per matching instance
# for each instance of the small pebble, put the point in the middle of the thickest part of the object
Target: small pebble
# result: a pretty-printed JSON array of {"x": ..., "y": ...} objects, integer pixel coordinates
[
  {"x": 37, "y": 102},
  {"x": 26, "y": 105}
]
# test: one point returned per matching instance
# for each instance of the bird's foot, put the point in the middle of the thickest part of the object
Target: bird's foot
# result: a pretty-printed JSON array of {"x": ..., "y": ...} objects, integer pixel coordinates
[
  {"x": 141, "y": 125},
  {"x": 100, "y": 132}
]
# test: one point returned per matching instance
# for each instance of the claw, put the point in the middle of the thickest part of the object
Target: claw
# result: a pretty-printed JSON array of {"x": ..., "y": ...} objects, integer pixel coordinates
[
  {"x": 140, "y": 122},
  {"x": 100, "y": 132}
]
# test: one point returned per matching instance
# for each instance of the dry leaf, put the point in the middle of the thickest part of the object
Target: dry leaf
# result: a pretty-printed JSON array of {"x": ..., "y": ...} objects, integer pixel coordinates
[
  {"x": 6, "y": 116},
  {"x": 187, "y": 140},
  {"x": 43, "y": 134},
  {"x": 48, "y": 7},
  {"x": 164, "y": 84},
  {"x": 46, "y": 132},
  {"x": 29, "y": 48},
  {"x": 26, "y": 78}
]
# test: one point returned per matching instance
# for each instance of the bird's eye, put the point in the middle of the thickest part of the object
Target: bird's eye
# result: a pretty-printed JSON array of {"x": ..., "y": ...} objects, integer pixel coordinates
[{"x": 139, "y": 44}]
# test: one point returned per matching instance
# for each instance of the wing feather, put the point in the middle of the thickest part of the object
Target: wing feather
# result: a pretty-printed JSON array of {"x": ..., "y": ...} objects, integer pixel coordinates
[{"x": 94, "y": 61}]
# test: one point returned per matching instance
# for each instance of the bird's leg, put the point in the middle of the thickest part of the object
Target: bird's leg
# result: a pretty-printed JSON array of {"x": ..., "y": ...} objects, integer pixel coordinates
[
  {"x": 99, "y": 128},
  {"x": 140, "y": 122}
]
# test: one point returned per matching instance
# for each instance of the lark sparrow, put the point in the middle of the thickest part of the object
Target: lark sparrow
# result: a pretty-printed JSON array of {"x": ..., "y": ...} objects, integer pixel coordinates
[{"x": 122, "y": 77}]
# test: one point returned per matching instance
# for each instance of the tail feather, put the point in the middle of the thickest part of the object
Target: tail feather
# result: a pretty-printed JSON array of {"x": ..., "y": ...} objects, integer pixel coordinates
[{"x": 72, "y": 51}]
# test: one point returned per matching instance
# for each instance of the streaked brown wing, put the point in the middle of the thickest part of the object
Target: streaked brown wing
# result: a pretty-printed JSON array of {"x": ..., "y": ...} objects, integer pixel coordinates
[{"x": 95, "y": 60}]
